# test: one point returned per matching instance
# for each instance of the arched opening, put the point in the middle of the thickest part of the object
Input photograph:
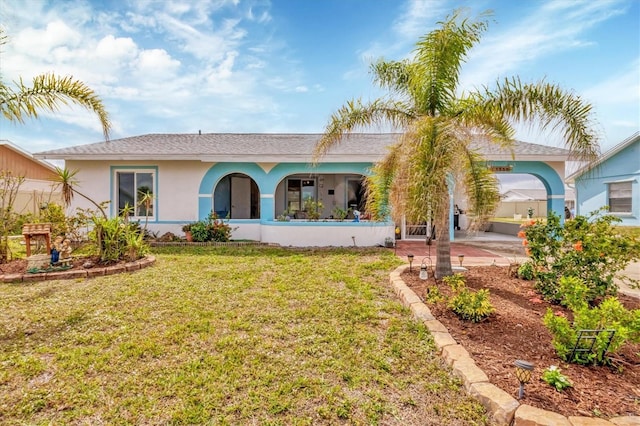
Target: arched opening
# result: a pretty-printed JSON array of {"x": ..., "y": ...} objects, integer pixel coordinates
[
  {"x": 236, "y": 196},
  {"x": 337, "y": 195}
]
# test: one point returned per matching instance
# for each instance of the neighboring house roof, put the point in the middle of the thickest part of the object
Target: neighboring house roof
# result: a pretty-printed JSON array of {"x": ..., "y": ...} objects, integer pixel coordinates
[
  {"x": 634, "y": 138},
  {"x": 532, "y": 194},
  {"x": 28, "y": 165},
  {"x": 270, "y": 147}
]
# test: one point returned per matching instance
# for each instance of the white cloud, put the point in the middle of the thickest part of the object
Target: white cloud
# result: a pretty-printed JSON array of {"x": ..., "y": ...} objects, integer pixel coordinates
[
  {"x": 555, "y": 27},
  {"x": 115, "y": 51},
  {"x": 156, "y": 63}
]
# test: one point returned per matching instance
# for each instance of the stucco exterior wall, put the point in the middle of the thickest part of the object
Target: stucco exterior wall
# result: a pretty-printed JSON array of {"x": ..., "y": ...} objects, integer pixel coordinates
[
  {"x": 176, "y": 196},
  {"x": 591, "y": 187}
]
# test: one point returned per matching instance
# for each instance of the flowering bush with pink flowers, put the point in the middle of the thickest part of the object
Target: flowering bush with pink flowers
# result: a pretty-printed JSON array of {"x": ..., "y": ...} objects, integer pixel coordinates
[{"x": 588, "y": 247}]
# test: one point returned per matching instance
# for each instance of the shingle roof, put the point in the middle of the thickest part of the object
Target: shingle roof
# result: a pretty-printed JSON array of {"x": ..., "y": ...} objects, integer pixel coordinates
[
  {"x": 284, "y": 147},
  {"x": 604, "y": 157}
]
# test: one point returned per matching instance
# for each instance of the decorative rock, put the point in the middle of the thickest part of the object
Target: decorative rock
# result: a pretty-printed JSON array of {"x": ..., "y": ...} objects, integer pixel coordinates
[
  {"x": 526, "y": 415},
  {"x": 88, "y": 264},
  {"x": 500, "y": 405},
  {"x": 467, "y": 370},
  {"x": 588, "y": 421}
]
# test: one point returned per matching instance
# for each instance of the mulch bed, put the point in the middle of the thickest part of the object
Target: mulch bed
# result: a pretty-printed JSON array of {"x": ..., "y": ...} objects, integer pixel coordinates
[
  {"x": 19, "y": 266},
  {"x": 516, "y": 332}
]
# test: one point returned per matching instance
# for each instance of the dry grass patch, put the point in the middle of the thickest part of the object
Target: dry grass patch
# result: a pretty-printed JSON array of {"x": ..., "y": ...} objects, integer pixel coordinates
[{"x": 225, "y": 336}]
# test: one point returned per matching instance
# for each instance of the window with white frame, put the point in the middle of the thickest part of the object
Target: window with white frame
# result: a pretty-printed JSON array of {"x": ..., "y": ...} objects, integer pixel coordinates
[
  {"x": 134, "y": 189},
  {"x": 620, "y": 197}
]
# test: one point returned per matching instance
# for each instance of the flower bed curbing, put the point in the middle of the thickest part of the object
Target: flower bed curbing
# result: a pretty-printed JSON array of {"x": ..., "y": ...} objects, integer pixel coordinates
[
  {"x": 502, "y": 408},
  {"x": 79, "y": 273}
]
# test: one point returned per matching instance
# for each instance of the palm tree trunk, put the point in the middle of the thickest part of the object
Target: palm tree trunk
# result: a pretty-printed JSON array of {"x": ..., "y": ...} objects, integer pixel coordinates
[
  {"x": 104, "y": 215},
  {"x": 443, "y": 246}
]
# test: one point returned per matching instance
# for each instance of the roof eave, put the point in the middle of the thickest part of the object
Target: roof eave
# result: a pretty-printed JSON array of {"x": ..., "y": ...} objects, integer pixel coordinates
[{"x": 305, "y": 158}]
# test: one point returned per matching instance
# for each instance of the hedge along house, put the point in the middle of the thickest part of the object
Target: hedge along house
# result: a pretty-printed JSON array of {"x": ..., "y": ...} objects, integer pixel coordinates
[{"x": 255, "y": 180}]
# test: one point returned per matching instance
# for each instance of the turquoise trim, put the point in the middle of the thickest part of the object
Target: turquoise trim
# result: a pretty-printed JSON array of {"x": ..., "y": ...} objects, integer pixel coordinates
[
  {"x": 349, "y": 224},
  {"x": 268, "y": 181},
  {"x": 205, "y": 205},
  {"x": 113, "y": 212},
  {"x": 552, "y": 182}
]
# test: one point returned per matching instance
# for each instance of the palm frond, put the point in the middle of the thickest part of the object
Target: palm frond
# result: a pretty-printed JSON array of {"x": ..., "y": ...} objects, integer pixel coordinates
[
  {"x": 550, "y": 107},
  {"x": 355, "y": 115},
  {"x": 438, "y": 58},
  {"x": 48, "y": 92},
  {"x": 392, "y": 75}
]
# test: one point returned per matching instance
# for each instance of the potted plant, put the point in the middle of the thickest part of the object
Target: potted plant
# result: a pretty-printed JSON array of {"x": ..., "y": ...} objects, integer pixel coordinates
[
  {"x": 187, "y": 231},
  {"x": 388, "y": 242}
]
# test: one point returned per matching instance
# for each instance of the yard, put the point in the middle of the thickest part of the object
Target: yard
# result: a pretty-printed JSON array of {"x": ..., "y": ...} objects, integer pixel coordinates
[{"x": 250, "y": 335}]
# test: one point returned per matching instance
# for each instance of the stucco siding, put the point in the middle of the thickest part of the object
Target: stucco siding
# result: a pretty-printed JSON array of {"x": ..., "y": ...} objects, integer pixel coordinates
[{"x": 592, "y": 186}]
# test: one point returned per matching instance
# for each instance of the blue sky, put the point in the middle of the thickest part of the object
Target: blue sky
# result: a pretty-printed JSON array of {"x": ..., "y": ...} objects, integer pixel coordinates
[{"x": 165, "y": 66}]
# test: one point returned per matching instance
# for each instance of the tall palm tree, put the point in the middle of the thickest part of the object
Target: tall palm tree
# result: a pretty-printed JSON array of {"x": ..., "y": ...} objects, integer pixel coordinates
[
  {"x": 440, "y": 129},
  {"x": 47, "y": 93}
]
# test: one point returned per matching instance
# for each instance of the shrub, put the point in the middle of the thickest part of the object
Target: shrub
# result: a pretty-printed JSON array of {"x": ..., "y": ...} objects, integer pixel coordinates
[
  {"x": 211, "y": 229},
  {"x": 589, "y": 248},
  {"x": 219, "y": 230},
  {"x": 526, "y": 271},
  {"x": 467, "y": 304},
  {"x": 340, "y": 214},
  {"x": 313, "y": 208},
  {"x": 117, "y": 240},
  {"x": 472, "y": 306},
  {"x": 200, "y": 231},
  {"x": 555, "y": 378},
  {"x": 608, "y": 315},
  {"x": 455, "y": 281},
  {"x": 433, "y": 295}
]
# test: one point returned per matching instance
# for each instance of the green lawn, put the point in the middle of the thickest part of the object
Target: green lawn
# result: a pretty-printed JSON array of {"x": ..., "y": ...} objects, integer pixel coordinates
[{"x": 251, "y": 335}]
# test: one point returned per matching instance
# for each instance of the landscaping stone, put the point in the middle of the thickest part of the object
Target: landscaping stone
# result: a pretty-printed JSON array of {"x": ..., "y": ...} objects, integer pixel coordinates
[
  {"x": 30, "y": 278},
  {"x": 95, "y": 272},
  {"x": 132, "y": 266},
  {"x": 408, "y": 297},
  {"x": 442, "y": 340},
  {"x": 453, "y": 353},
  {"x": 500, "y": 405},
  {"x": 12, "y": 278},
  {"x": 399, "y": 287},
  {"x": 626, "y": 421},
  {"x": 588, "y": 421},
  {"x": 467, "y": 371},
  {"x": 526, "y": 415},
  {"x": 116, "y": 269},
  {"x": 436, "y": 326},
  {"x": 421, "y": 312}
]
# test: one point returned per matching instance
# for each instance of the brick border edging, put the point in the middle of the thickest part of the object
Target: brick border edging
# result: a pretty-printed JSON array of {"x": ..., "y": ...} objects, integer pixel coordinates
[
  {"x": 501, "y": 407},
  {"x": 79, "y": 273}
]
